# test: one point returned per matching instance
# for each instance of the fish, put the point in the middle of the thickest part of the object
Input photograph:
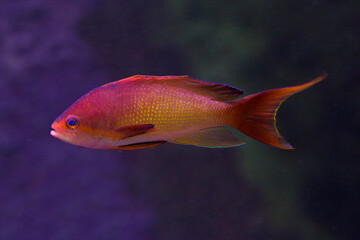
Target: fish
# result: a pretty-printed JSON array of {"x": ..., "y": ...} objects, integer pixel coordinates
[{"x": 145, "y": 111}]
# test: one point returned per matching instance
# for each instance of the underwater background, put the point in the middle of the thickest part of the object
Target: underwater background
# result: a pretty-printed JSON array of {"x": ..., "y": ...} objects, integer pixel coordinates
[{"x": 52, "y": 52}]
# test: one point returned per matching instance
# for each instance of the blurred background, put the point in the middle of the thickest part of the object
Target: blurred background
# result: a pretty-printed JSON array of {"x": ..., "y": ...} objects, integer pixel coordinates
[{"x": 52, "y": 52}]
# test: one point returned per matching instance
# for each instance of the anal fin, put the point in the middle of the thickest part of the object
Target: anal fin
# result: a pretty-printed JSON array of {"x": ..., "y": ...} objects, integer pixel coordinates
[
  {"x": 217, "y": 137},
  {"x": 139, "y": 145}
]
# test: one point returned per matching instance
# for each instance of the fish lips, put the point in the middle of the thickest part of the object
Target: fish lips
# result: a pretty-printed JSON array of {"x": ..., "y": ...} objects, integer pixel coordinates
[
  {"x": 60, "y": 136},
  {"x": 54, "y": 133}
]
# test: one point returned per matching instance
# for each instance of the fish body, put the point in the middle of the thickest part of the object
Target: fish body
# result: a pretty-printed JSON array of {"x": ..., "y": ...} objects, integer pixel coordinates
[{"x": 146, "y": 111}]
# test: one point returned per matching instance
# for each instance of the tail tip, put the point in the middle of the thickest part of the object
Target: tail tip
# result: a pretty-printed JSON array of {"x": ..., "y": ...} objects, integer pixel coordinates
[
  {"x": 322, "y": 76},
  {"x": 282, "y": 144},
  {"x": 287, "y": 147}
]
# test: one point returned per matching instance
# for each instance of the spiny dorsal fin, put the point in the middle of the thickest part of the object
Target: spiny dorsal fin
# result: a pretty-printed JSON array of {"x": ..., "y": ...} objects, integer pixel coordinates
[
  {"x": 215, "y": 91},
  {"x": 210, "y": 137}
]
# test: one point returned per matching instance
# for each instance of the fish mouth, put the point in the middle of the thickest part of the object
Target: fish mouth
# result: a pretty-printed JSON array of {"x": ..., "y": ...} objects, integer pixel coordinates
[
  {"x": 59, "y": 135},
  {"x": 54, "y": 133}
]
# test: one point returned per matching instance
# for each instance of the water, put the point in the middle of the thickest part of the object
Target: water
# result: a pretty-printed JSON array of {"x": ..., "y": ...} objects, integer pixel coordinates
[{"x": 53, "y": 52}]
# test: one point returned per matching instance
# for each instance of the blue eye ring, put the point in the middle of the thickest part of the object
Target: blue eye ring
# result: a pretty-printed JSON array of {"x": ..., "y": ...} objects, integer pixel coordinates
[{"x": 72, "y": 123}]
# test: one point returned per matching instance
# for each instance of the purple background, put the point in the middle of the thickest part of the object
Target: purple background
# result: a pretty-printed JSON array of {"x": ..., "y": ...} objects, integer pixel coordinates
[{"x": 52, "y": 52}]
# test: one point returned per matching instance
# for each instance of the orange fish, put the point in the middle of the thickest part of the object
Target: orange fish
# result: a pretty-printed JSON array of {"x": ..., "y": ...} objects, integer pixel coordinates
[{"x": 146, "y": 111}]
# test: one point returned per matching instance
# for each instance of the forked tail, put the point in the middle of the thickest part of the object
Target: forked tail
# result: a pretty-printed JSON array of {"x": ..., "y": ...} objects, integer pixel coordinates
[{"x": 258, "y": 111}]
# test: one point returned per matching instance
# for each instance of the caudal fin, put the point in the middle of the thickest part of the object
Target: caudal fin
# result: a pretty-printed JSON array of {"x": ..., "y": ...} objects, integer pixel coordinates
[{"x": 258, "y": 111}]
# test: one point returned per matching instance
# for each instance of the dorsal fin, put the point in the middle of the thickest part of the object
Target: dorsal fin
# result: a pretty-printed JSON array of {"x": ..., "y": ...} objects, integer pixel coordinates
[{"x": 215, "y": 91}]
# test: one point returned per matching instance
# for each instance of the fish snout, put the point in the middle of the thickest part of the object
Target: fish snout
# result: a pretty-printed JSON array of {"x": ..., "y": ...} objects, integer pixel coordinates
[{"x": 54, "y": 131}]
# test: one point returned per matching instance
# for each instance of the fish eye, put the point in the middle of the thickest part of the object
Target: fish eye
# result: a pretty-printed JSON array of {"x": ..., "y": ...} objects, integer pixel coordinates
[{"x": 72, "y": 123}]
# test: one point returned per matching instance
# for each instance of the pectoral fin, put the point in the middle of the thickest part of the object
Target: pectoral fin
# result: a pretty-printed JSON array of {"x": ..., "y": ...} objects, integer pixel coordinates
[
  {"x": 133, "y": 130},
  {"x": 211, "y": 137}
]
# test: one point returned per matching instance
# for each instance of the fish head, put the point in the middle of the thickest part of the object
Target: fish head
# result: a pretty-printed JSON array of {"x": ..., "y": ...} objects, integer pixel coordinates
[
  {"x": 84, "y": 124},
  {"x": 67, "y": 128}
]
